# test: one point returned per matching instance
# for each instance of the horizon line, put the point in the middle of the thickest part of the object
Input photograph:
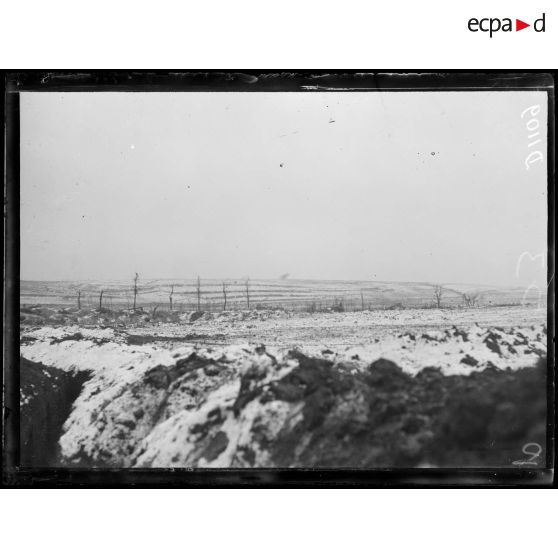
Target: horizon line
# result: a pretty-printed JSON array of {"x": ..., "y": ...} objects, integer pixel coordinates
[{"x": 277, "y": 279}]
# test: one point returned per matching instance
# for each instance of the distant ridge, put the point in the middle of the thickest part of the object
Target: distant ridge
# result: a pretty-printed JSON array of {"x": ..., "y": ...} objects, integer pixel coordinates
[{"x": 286, "y": 293}]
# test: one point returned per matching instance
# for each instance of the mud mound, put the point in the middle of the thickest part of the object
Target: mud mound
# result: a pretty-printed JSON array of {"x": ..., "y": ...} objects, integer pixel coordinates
[
  {"x": 489, "y": 416},
  {"x": 315, "y": 416},
  {"x": 116, "y": 413},
  {"x": 46, "y": 398},
  {"x": 299, "y": 411},
  {"x": 149, "y": 405}
]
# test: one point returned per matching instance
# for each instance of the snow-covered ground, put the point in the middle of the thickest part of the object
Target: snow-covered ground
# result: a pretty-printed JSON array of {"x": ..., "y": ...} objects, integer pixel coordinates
[
  {"x": 456, "y": 350},
  {"x": 168, "y": 402},
  {"x": 335, "y": 329}
]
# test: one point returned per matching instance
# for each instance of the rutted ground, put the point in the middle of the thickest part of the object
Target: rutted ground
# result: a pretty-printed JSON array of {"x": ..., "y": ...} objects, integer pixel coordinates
[
  {"x": 416, "y": 395},
  {"x": 331, "y": 330},
  {"x": 456, "y": 350}
]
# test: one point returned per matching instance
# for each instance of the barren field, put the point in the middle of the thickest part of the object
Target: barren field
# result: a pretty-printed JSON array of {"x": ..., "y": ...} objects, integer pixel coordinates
[
  {"x": 334, "y": 329},
  {"x": 287, "y": 294},
  {"x": 275, "y": 388}
]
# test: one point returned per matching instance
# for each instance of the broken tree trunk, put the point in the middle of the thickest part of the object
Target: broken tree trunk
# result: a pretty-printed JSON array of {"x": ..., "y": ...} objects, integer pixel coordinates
[
  {"x": 224, "y": 296},
  {"x": 247, "y": 285},
  {"x": 135, "y": 289}
]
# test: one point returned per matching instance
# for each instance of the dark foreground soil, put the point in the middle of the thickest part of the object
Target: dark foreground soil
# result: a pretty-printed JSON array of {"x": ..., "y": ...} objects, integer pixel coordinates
[
  {"x": 382, "y": 417},
  {"x": 386, "y": 418}
]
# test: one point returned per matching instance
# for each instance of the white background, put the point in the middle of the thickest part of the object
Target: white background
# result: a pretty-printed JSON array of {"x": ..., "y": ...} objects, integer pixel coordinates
[
  {"x": 296, "y": 34},
  {"x": 278, "y": 523}
]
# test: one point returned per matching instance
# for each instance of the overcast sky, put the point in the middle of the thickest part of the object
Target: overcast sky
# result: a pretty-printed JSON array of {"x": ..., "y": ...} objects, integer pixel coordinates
[{"x": 400, "y": 186}]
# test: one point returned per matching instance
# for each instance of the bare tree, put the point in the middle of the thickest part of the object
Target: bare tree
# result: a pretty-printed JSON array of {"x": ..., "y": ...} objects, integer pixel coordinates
[
  {"x": 170, "y": 296},
  {"x": 198, "y": 291},
  {"x": 136, "y": 277},
  {"x": 101, "y": 300},
  {"x": 224, "y": 296},
  {"x": 470, "y": 300},
  {"x": 247, "y": 287},
  {"x": 79, "y": 300},
  {"x": 362, "y": 300},
  {"x": 438, "y": 294}
]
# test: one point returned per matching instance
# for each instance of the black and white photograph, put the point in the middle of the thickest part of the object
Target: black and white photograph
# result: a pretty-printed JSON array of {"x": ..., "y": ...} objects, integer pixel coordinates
[{"x": 313, "y": 277}]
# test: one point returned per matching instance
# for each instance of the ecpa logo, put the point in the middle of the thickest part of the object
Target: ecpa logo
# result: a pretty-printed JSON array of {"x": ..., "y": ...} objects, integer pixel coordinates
[{"x": 494, "y": 24}]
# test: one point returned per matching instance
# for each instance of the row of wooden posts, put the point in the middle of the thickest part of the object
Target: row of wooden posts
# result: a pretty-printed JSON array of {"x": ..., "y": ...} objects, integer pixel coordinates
[
  {"x": 469, "y": 300},
  {"x": 198, "y": 293}
]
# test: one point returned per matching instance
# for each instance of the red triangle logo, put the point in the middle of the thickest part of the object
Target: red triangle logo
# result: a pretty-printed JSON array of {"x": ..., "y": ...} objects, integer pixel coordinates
[{"x": 519, "y": 25}]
